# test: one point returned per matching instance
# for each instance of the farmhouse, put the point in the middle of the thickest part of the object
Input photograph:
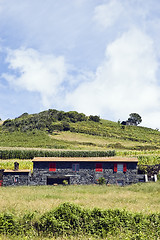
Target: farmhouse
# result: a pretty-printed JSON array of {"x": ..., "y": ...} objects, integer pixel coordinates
[
  {"x": 79, "y": 170},
  {"x": 86, "y": 170}
]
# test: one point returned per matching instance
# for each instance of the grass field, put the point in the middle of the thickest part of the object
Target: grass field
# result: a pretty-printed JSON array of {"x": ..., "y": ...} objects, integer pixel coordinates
[
  {"x": 141, "y": 198},
  {"x": 135, "y": 198}
]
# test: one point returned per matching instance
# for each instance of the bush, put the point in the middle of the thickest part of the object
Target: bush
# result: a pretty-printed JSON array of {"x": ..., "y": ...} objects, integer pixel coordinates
[
  {"x": 8, "y": 224},
  {"x": 94, "y": 118},
  {"x": 66, "y": 126},
  {"x": 65, "y": 182},
  {"x": 101, "y": 181},
  {"x": 70, "y": 219},
  {"x": 158, "y": 177}
]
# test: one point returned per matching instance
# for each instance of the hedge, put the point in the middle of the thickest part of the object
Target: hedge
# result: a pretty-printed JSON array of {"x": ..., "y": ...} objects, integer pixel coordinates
[
  {"x": 71, "y": 220},
  {"x": 30, "y": 154}
]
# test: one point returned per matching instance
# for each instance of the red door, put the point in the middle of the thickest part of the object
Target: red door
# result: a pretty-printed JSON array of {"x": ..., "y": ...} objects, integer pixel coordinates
[{"x": 1, "y": 183}]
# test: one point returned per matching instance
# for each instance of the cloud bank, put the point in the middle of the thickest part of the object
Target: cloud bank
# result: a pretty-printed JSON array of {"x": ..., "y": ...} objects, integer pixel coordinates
[
  {"x": 37, "y": 73},
  {"x": 98, "y": 57},
  {"x": 125, "y": 82}
]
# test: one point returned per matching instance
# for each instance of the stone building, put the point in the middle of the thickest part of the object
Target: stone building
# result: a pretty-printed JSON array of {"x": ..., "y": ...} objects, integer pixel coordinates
[
  {"x": 86, "y": 170},
  {"x": 16, "y": 177},
  {"x": 79, "y": 170}
]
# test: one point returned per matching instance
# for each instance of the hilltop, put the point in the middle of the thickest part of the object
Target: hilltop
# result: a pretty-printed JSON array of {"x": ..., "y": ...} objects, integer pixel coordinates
[{"x": 55, "y": 129}]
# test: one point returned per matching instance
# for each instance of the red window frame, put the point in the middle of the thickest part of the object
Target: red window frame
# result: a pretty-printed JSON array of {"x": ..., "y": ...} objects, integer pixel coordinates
[
  {"x": 99, "y": 167},
  {"x": 115, "y": 167},
  {"x": 52, "y": 167},
  {"x": 124, "y": 167}
]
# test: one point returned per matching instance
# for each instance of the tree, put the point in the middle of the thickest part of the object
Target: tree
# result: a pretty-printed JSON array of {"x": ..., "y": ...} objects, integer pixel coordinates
[
  {"x": 134, "y": 118},
  {"x": 94, "y": 118}
]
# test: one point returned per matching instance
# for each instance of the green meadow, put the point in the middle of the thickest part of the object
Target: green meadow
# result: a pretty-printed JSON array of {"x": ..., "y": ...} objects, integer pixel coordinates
[
  {"x": 39, "y": 199},
  {"x": 133, "y": 212}
]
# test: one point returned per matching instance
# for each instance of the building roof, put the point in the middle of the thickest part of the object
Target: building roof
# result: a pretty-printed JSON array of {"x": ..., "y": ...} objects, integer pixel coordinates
[
  {"x": 84, "y": 159},
  {"x": 17, "y": 171}
]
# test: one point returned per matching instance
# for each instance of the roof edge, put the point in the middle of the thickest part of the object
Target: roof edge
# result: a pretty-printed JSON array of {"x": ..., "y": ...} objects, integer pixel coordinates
[{"x": 84, "y": 159}]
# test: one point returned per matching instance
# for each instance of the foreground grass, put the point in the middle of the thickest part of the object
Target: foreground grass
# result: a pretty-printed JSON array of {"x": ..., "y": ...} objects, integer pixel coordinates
[
  {"x": 144, "y": 197},
  {"x": 121, "y": 236}
]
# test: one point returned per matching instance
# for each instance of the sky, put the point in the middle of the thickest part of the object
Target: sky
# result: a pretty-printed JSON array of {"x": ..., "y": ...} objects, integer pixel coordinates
[{"x": 99, "y": 57}]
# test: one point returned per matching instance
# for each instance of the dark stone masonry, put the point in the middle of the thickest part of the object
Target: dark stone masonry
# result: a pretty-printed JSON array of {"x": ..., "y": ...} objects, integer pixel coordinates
[
  {"x": 16, "y": 177},
  {"x": 49, "y": 171},
  {"x": 54, "y": 170}
]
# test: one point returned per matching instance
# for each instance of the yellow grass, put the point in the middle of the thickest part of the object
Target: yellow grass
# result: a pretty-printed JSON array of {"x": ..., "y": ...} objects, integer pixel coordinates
[
  {"x": 142, "y": 198},
  {"x": 9, "y": 164},
  {"x": 99, "y": 142}
]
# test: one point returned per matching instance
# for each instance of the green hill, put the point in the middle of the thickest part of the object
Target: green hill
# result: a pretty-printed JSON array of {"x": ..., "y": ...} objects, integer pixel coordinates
[{"x": 72, "y": 130}]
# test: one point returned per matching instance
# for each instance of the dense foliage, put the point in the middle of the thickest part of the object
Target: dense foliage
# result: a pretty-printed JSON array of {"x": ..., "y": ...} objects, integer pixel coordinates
[
  {"x": 49, "y": 120},
  {"x": 30, "y": 154},
  {"x": 32, "y": 131},
  {"x": 69, "y": 219},
  {"x": 135, "y": 118}
]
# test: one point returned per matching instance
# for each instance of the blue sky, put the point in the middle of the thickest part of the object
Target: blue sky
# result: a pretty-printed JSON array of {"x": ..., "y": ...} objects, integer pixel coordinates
[{"x": 98, "y": 57}]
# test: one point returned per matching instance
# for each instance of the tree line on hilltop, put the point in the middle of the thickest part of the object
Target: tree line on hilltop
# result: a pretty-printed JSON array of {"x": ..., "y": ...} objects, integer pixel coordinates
[{"x": 49, "y": 120}]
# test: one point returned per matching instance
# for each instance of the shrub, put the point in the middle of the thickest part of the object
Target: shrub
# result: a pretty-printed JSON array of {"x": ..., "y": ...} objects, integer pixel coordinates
[
  {"x": 101, "y": 181},
  {"x": 66, "y": 126},
  {"x": 65, "y": 182},
  {"x": 94, "y": 118},
  {"x": 70, "y": 219},
  {"x": 158, "y": 177},
  {"x": 8, "y": 224}
]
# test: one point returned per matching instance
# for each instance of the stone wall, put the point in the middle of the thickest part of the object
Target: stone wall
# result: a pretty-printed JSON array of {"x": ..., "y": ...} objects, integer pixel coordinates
[
  {"x": 85, "y": 175},
  {"x": 16, "y": 178}
]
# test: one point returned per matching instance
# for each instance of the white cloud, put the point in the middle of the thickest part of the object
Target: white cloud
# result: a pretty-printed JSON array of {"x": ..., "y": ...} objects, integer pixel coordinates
[
  {"x": 107, "y": 14},
  {"x": 36, "y": 72},
  {"x": 125, "y": 82}
]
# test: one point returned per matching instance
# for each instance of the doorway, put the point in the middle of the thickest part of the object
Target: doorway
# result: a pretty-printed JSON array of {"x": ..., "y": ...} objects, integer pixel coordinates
[{"x": 57, "y": 180}]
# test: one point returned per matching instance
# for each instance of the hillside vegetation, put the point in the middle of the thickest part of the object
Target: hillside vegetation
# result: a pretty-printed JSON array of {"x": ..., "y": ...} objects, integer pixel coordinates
[{"x": 57, "y": 130}]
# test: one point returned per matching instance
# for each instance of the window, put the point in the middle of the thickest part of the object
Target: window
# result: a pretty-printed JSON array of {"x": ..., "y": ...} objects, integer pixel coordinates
[
  {"x": 120, "y": 167},
  {"x": 52, "y": 167},
  {"x": 16, "y": 179},
  {"x": 99, "y": 167},
  {"x": 75, "y": 167}
]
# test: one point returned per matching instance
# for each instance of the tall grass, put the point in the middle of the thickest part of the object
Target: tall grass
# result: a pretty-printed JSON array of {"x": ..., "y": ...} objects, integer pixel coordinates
[
  {"x": 135, "y": 198},
  {"x": 37, "y": 213}
]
